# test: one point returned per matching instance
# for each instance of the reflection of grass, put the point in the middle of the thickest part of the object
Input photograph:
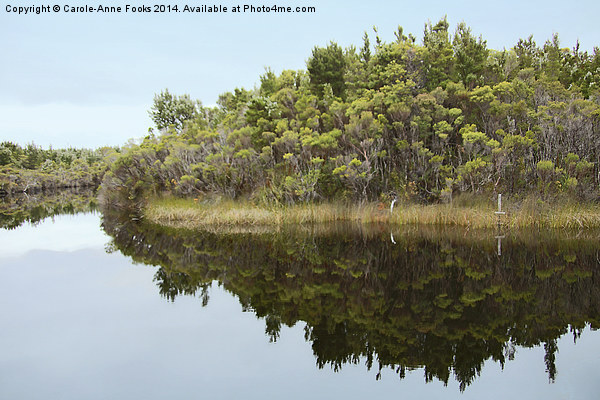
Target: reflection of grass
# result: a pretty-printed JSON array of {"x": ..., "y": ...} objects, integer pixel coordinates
[{"x": 470, "y": 212}]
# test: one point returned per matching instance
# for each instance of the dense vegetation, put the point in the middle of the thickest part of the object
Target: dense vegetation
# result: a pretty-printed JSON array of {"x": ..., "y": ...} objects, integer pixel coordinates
[
  {"x": 32, "y": 169},
  {"x": 442, "y": 300},
  {"x": 419, "y": 121}
]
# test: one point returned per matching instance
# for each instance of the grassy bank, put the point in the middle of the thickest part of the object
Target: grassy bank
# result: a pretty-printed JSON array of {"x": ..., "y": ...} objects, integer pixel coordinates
[{"x": 476, "y": 212}]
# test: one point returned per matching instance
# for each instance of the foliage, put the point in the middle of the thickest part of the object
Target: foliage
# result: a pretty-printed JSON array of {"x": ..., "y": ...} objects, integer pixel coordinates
[
  {"x": 327, "y": 67},
  {"x": 169, "y": 110},
  {"x": 33, "y": 169},
  {"x": 401, "y": 119}
]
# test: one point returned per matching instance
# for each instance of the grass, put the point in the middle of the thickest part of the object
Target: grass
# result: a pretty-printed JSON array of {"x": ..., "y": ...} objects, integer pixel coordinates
[
  {"x": 193, "y": 213},
  {"x": 473, "y": 212}
]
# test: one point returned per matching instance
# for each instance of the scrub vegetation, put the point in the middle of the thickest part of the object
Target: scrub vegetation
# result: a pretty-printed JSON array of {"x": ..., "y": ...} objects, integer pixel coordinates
[
  {"x": 423, "y": 122},
  {"x": 31, "y": 169}
]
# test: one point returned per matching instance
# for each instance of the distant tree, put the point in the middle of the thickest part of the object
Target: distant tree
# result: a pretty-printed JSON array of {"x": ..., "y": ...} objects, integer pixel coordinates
[
  {"x": 171, "y": 110},
  {"x": 527, "y": 53},
  {"x": 11, "y": 154},
  {"x": 327, "y": 66},
  {"x": 365, "y": 50},
  {"x": 470, "y": 55},
  {"x": 268, "y": 83},
  {"x": 553, "y": 59},
  {"x": 6, "y": 156},
  {"x": 438, "y": 55},
  {"x": 33, "y": 156},
  {"x": 234, "y": 102}
]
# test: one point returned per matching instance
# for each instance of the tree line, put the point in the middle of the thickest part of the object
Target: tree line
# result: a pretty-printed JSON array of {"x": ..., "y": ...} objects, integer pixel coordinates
[
  {"x": 422, "y": 121},
  {"x": 32, "y": 168}
]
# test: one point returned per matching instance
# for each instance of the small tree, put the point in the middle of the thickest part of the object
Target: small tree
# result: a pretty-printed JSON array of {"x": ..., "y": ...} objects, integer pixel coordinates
[
  {"x": 545, "y": 170},
  {"x": 170, "y": 110},
  {"x": 6, "y": 156},
  {"x": 327, "y": 65}
]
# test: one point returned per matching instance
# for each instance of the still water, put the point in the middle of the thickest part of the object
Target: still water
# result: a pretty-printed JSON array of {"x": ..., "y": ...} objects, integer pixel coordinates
[{"x": 97, "y": 307}]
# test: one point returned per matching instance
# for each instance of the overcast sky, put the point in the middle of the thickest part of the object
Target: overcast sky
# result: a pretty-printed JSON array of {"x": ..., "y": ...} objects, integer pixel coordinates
[{"x": 88, "y": 80}]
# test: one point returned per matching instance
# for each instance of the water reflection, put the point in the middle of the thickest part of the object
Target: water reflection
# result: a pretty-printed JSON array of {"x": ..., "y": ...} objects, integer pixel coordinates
[
  {"x": 18, "y": 209},
  {"x": 442, "y": 300}
]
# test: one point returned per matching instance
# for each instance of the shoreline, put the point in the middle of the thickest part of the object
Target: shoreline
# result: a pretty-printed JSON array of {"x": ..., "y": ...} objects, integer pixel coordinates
[{"x": 197, "y": 214}]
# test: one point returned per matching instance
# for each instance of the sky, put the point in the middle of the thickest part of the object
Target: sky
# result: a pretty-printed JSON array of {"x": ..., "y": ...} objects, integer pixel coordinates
[{"x": 88, "y": 79}]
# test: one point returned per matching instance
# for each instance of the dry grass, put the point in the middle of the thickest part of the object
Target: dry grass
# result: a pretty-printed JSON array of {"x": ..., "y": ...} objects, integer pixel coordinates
[
  {"x": 189, "y": 213},
  {"x": 192, "y": 214}
]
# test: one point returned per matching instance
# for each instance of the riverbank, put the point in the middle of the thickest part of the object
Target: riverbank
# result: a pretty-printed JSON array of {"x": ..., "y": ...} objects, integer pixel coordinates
[
  {"x": 476, "y": 212},
  {"x": 14, "y": 181}
]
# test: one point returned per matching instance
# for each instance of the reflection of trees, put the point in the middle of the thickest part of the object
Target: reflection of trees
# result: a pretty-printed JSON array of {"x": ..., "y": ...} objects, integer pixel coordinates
[
  {"x": 444, "y": 302},
  {"x": 18, "y": 209},
  {"x": 172, "y": 284}
]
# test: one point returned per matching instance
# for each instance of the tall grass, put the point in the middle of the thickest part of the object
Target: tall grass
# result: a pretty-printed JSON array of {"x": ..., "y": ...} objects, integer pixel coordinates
[
  {"x": 193, "y": 213},
  {"x": 476, "y": 212}
]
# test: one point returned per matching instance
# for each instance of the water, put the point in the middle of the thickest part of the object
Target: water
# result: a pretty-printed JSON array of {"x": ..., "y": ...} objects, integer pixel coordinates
[{"x": 99, "y": 307}]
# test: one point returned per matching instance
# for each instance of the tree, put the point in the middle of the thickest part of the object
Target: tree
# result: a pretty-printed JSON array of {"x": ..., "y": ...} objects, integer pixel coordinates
[
  {"x": 6, "y": 156},
  {"x": 527, "y": 53},
  {"x": 553, "y": 59},
  {"x": 470, "y": 55},
  {"x": 327, "y": 66},
  {"x": 33, "y": 157},
  {"x": 365, "y": 50},
  {"x": 171, "y": 110},
  {"x": 438, "y": 55}
]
